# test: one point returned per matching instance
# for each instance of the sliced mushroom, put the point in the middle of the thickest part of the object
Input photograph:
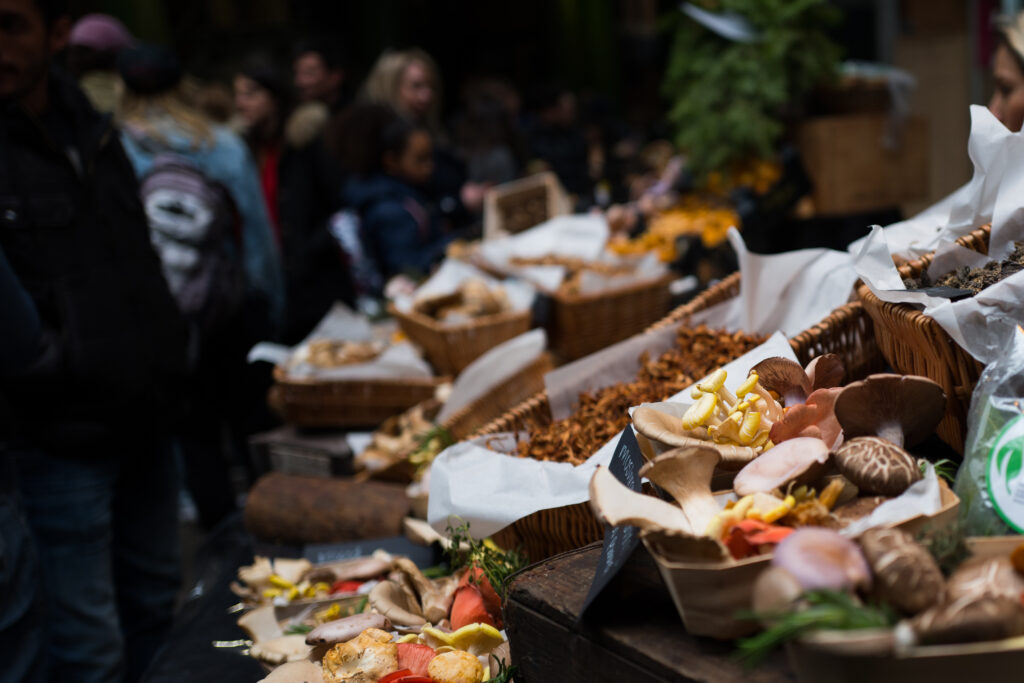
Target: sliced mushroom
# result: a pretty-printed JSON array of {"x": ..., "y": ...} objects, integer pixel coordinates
[
  {"x": 430, "y": 598},
  {"x": 970, "y": 620},
  {"x": 875, "y": 465},
  {"x": 389, "y": 599},
  {"x": 685, "y": 473},
  {"x": 905, "y": 573},
  {"x": 785, "y": 377},
  {"x": 825, "y": 371},
  {"x": 821, "y": 558},
  {"x": 349, "y": 570},
  {"x": 281, "y": 649},
  {"x": 902, "y": 409},
  {"x": 986, "y": 576},
  {"x": 618, "y": 505},
  {"x": 798, "y": 460},
  {"x": 261, "y": 624}
]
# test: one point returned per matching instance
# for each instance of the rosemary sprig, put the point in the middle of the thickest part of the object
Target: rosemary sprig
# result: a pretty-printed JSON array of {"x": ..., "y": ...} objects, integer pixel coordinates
[
  {"x": 826, "y": 609},
  {"x": 505, "y": 674},
  {"x": 497, "y": 565}
]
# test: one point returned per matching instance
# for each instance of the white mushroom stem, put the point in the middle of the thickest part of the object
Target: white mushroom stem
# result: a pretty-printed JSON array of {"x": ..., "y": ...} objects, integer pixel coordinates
[
  {"x": 768, "y": 406},
  {"x": 891, "y": 432}
]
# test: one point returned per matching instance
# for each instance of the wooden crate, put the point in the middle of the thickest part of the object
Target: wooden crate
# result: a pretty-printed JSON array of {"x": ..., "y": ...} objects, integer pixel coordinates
[
  {"x": 519, "y": 205},
  {"x": 853, "y": 171}
]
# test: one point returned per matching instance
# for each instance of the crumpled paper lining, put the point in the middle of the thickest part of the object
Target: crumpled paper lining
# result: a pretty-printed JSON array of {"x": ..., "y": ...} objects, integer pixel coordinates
[
  {"x": 992, "y": 195},
  {"x": 490, "y": 490},
  {"x": 979, "y": 324},
  {"x": 924, "y": 497},
  {"x": 493, "y": 368},
  {"x": 581, "y": 236},
  {"x": 450, "y": 276},
  {"x": 343, "y": 324}
]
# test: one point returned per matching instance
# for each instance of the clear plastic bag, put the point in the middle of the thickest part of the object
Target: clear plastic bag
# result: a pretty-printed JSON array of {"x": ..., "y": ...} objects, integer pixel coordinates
[{"x": 990, "y": 483}]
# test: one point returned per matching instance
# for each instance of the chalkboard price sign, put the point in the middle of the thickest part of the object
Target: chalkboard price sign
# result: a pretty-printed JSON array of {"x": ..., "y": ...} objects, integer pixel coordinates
[{"x": 619, "y": 542}]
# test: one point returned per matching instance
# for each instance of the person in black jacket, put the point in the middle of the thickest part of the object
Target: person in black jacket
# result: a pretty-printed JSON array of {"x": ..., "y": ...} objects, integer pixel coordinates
[
  {"x": 87, "y": 429},
  {"x": 301, "y": 186}
]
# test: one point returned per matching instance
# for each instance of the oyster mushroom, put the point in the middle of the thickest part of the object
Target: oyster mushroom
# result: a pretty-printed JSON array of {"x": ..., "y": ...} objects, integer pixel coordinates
[
  {"x": 801, "y": 460},
  {"x": 435, "y": 601},
  {"x": 291, "y": 648},
  {"x": 663, "y": 427},
  {"x": 816, "y": 417},
  {"x": 902, "y": 409},
  {"x": 785, "y": 377},
  {"x": 905, "y": 573},
  {"x": 825, "y": 371},
  {"x": 618, "y": 505},
  {"x": 821, "y": 558},
  {"x": 389, "y": 599},
  {"x": 685, "y": 473},
  {"x": 988, "y": 576},
  {"x": 342, "y": 630},
  {"x": 965, "y": 621},
  {"x": 876, "y": 465}
]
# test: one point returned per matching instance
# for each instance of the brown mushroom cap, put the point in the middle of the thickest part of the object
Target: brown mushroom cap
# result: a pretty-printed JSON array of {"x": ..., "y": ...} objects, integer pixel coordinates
[
  {"x": 966, "y": 621},
  {"x": 875, "y": 465},
  {"x": 986, "y": 576},
  {"x": 905, "y": 573},
  {"x": 825, "y": 371},
  {"x": 904, "y": 409},
  {"x": 785, "y": 377},
  {"x": 857, "y": 508}
]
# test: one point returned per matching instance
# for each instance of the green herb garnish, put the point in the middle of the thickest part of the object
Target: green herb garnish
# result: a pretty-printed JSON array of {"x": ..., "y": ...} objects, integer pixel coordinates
[
  {"x": 827, "y": 609},
  {"x": 944, "y": 468},
  {"x": 505, "y": 673},
  {"x": 497, "y": 565},
  {"x": 297, "y": 629}
]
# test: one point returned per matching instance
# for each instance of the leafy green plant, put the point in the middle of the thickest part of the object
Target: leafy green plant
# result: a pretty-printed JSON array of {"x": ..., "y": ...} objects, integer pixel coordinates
[
  {"x": 727, "y": 99},
  {"x": 497, "y": 565},
  {"x": 825, "y": 609},
  {"x": 505, "y": 673}
]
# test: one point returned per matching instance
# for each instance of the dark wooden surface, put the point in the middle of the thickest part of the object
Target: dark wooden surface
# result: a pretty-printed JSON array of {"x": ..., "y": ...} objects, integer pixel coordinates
[{"x": 632, "y": 633}]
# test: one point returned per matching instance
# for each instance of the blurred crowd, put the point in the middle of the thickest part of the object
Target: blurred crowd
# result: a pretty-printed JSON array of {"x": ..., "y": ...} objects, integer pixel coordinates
[{"x": 153, "y": 227}]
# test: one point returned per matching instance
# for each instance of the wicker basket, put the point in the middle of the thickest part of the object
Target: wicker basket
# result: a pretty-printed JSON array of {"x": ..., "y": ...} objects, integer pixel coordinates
[
  {"x": 581, "y": 324},
  {"x": 914, "y": 344},
  {"x": 452, "y": 347},
  {"x": 346, "y": 403},
  {"x": 847, "y": 332},
  {"x": 501, "y": 398}
]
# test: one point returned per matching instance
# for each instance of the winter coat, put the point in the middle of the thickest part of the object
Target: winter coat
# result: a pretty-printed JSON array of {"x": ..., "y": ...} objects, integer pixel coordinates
[
  {"x": 399, "y": 231},
  {"x": 76, "y": 236},
  {"x": 227, "y": 161},
  {"x": 19, "y": 319},
  {"x": 309, "y": 193}
]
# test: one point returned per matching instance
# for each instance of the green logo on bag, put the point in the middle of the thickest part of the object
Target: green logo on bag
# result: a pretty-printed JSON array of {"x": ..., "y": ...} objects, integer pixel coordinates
[{"x": 1004, "y": 479}]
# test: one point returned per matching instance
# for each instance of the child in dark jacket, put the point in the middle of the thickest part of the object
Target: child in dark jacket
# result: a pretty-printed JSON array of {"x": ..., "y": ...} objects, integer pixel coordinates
[{"x": 400, "y": 230}]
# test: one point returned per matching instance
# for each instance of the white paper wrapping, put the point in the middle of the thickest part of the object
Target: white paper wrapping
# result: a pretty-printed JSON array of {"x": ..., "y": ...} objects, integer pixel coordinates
[
  {"x": 491, "y": 490},
  {"x": 992, "y": 195},
  {"x": 493, "y": 368},
  {"x": 450, "y": 276},
  {"x": 343, "y": 324},
  {"x": 922, "y": 498},
  {"x": 979, "y": 324}
]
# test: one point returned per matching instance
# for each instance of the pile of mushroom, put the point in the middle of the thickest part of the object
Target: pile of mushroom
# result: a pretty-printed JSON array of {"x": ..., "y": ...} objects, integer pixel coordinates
[
  {"x": 795, "y": 469},
  {"x": 982, "y": 600}
]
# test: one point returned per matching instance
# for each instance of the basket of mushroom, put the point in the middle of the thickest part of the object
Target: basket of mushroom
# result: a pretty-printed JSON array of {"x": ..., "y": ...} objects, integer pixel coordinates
[
  {"x": 744, "y": 469},
  {"x": 881, "y": 608}
]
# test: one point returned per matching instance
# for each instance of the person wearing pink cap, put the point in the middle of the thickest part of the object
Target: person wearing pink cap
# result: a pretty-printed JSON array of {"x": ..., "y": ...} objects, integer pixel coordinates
[{"x": 93, "y": 46}]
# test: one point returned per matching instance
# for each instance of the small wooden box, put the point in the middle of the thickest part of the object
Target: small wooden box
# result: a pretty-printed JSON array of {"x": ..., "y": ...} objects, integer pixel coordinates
[{"x": 853, "y": 170}]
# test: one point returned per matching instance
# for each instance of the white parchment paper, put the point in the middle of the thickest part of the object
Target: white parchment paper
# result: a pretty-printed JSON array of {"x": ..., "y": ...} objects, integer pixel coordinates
[
  {"x": 451, "y": 274},
  {"x": 493, "y": 368},
  {"x": 491, "y": 490}
]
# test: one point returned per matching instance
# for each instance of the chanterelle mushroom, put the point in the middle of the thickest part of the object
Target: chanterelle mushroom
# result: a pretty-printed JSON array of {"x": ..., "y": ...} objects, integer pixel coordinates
[
  {"x": 902, "y": 409},
  {"x": 875, "y": 465},
  {"x": 905, "y": 573},
  {"x": 801, "y": 460}
]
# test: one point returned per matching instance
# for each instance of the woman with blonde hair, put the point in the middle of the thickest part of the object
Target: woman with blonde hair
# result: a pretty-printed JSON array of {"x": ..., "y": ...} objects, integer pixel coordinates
[{"x": 410, "y": 82}]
